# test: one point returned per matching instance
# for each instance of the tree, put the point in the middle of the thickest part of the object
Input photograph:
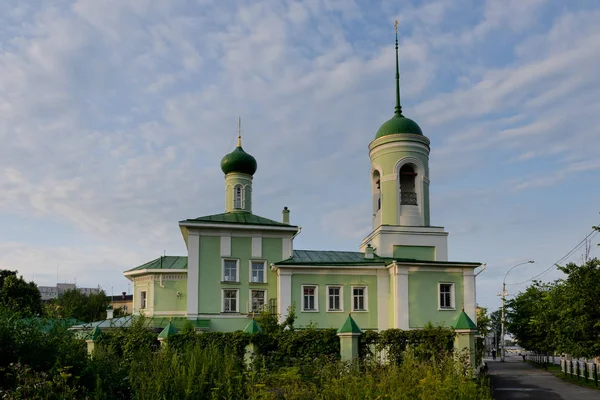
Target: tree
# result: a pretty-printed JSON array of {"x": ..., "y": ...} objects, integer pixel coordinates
[
  {"x": 496, "y": 326},
  {"x": 18, "y": 296},
  {"x": 484, "y": 322},
  {"x": 530, "y": 318},
  {"x": 87, "y": 308},
  {"x": 577, "y": 305}
]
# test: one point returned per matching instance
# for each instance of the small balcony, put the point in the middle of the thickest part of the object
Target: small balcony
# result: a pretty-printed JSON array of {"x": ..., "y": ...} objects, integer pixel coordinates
[{"x": 408, "y": 198}]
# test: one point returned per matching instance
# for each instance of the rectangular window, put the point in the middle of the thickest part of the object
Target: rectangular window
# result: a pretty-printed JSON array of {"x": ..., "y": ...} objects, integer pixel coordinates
[
  {"x": 230, "y": 298},
  {"x": 309, "y": 298},
  {"x": 446, "y": 295},
  {"x": 334, "y": 298},
  {"x": 257, "y": 300},
  {"x": 230, "y": 270},
  {"x": 359, "y": 298},
  {"x": 257, "y": 271},
  {"x": 143, "y": 299},
  {"x": 238, "y": 200}
]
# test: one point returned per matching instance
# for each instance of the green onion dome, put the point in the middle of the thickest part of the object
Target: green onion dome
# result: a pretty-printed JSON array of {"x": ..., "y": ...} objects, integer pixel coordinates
[
  {"x": 398, "y": 124},
  {"x": 239, "y": 161}
]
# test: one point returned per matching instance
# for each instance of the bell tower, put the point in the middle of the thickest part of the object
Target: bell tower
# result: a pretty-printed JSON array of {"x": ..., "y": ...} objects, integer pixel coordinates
[
  {"x": 238, "y": 167},
  {"x": 399, "y": 177}
]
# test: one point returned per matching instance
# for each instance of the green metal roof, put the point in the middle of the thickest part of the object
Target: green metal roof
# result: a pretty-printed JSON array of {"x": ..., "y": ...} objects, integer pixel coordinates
[
  {"x": 237, "y": 217},
  {"x": 321, "y": 257},
  {"x": 398, "y": 124},
  {"x": 164, "y": 262},
  {"x": 169, "y": 330},
  {"x": 150, "y": 322},
  {"x": 464, "y": 322},
  {"x": 350, "y": 326},
  {"x": 252, "y": 327}
]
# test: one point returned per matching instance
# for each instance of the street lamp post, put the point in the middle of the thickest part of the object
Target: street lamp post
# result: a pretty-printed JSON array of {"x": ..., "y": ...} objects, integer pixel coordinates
[{"x": 504, "y": 293}]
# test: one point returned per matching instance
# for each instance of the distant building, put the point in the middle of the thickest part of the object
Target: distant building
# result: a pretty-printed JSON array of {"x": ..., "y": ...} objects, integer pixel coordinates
[
  {"x": 52, "y": 292},
  {"x": 123, "y": 301}
]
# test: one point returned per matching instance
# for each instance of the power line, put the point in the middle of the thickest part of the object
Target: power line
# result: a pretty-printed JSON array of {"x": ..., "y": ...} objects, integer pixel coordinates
[{"x": 589, "y": 236}]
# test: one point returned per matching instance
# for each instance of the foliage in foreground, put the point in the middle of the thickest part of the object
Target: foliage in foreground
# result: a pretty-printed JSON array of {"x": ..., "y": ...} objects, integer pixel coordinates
[{"x": 51, "y": 363}]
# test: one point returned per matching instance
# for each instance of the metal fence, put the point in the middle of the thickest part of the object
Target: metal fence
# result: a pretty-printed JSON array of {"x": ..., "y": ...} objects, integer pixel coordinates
[{"x": 577, "y": 369}]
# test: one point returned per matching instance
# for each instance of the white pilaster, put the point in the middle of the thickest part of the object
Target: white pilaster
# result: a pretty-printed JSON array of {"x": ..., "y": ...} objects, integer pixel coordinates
[
  {"x": 286, "y": 246},
  {"x": 256, "y": 246},
  {"x": 400, "y": 275},
  {"x": 193, "y": 274},
  {"x": 226, "y": 246},
  {"x": 284, "y": 293},
  {"x": 469, "y": 293},
  {"x": 383, "y": 300}
]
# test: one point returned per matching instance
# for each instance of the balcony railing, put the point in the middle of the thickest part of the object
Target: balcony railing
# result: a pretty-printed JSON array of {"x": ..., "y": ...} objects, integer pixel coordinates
[{"x": 408, "y": 198}]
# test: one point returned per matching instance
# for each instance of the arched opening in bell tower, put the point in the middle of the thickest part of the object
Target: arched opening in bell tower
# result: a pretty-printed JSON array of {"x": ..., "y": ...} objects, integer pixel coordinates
[
  {"x": 238, "y": 197},
  {"x": 376, "y": 182},
  {"x": 408, "y": 194}
]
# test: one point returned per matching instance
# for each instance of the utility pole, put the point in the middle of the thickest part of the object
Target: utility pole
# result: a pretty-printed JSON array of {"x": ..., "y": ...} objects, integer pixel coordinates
[{"x": 503, "y": 295}]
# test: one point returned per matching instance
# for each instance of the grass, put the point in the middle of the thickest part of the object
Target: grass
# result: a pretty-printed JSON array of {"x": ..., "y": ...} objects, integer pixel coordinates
[{"x": 555, "y": 370}]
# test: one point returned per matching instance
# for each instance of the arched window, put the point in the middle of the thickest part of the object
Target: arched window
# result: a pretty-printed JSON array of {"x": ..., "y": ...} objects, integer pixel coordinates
[
  {"x": 408, "y": 194},
  {"x": 376, "y": 192},
  {"x": 238, "y": 197}
]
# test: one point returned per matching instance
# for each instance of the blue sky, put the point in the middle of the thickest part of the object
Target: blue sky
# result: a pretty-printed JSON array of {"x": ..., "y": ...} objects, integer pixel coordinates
[{"x": 114, "y": 116}]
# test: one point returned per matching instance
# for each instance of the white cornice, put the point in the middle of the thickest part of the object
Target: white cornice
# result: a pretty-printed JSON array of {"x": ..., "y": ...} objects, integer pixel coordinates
[{"x": 155, "y": 271}]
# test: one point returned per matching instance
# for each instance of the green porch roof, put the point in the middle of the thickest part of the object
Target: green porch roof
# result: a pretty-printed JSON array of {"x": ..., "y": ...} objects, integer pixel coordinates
[
  {"x": 464, "y": 322},
  {"x": 237, "y": 217},
  {"x": 350, "y": 326},
  {"x": 252, "y": 327},
  {"x": 321, "y": 257},
  {"x": 149, "y": 322},
  {"x": 164, "y": 262},
  {"x": 169, "y": 330}
]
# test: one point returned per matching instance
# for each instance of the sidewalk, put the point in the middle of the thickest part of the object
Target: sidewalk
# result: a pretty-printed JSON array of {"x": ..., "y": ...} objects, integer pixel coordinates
[{"x": 515, "y": 379}]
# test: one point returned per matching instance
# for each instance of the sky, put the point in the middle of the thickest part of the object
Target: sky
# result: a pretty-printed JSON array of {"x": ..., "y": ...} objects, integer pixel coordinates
[{"x": 114, "y": 116}]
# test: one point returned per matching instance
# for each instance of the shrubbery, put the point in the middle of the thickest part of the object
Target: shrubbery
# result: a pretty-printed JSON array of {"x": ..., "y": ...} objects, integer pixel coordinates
[{"x": 291, "y": 364}]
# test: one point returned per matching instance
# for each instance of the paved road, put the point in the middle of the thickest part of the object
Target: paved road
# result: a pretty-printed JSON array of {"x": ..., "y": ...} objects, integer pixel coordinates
[{"x": 515, "y": 379}]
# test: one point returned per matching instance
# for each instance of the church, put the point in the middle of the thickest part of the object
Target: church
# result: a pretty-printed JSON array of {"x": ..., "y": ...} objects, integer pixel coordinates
[{"x": 239, "y": 263}]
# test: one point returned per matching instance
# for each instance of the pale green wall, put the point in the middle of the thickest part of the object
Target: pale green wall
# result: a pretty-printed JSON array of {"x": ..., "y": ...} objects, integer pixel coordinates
[
  {"x": 424, "y": 253},
  {"x": 139, "y": 287},
  {"x": 424, "y": 297},
  {"x": 209, "y": 292},
  {"x": 165, "y": 298},
  {"x": 389, "y": 191},
  {"x": 209, "y": 295},
  {"x": 271, "y": 251},
  {"x": 228, "y": 324},
  {"x": 324, "y": 319}
]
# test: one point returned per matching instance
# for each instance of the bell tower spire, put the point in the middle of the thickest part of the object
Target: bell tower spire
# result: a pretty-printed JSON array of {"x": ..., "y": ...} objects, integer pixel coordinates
[{"x": 398, "y": 108}]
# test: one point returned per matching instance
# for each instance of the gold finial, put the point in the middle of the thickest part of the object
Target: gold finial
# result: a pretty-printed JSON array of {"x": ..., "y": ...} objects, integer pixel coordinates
[
  {"x": 239, "y": 132},
  {"x": 396, "y": 25}
]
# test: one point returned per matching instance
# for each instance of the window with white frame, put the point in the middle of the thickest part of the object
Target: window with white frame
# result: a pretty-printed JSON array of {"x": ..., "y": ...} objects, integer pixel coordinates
[
  {"x": 446, "y": 296},
  {"x": 257, "y": 271},
  {"x": 230, "y": 300},
  {"x": 238, "y": 197},
  {"x": 309, "y": 298},
  {"x": 230, "y": 270},
  {"x": 257, "y": 300},
  {"x": 334, "y": 298},
  {"x": 143, "y": 299},
  {"x": 359, "y": 298}
]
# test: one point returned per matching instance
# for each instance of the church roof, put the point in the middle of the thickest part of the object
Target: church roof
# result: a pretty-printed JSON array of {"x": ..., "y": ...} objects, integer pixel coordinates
[
  {"x": 321, "y": 257},
  {"x": 164, "y": 262},
  {"x": 237, "y": 217}
]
